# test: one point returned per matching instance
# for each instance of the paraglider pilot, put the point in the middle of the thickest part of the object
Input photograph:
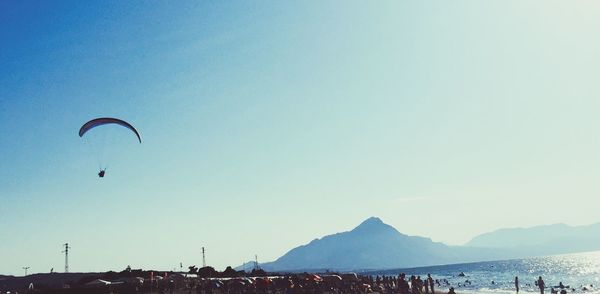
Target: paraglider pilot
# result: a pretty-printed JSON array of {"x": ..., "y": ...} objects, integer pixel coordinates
[{"x": 105, "y": 121}]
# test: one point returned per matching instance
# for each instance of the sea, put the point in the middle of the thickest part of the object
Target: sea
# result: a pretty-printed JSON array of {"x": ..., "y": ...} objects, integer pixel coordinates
[{"x": 580, "y": 272}]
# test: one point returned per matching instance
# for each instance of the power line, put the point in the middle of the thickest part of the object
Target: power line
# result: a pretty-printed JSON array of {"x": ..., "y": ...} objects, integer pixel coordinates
[{"x": 66, "y": 252}]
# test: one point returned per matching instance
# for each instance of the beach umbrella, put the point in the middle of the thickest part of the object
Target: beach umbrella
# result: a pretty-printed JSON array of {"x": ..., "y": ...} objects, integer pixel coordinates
[
  {"x": 315, "y": 278},
  {"x": 236, "y": 284},
  {"x": 216, "y": 284}
]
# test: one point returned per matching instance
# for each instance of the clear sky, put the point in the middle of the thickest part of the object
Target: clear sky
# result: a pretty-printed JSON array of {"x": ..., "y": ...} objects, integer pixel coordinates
[{"x": 268, "y": 124}]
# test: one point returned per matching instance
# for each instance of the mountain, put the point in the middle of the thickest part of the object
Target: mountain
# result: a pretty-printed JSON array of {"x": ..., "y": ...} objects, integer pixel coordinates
[
  {"x": 375, "y": 245},
  {"x": 542, "y": 240}
]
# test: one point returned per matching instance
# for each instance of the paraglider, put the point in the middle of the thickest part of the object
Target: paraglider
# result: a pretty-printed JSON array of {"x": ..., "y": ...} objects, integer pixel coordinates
[{"x": 106, "y": 121}]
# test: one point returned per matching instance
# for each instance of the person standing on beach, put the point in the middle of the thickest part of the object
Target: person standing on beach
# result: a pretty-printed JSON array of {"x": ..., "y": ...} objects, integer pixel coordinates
[
  {"x": 414, "y": 287},
  {"x": 430, "y": 281},
  {"x": 402, "y": 284},
  {"x": 517, "y": 283},
  {"x": 541, "y": 284}
]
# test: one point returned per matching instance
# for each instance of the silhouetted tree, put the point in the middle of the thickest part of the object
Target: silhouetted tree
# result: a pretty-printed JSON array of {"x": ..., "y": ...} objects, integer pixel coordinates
[
  {"x": 207, "y": 272},
  {"x": 258, "y": 273},
  {"x": 229, "y": 273}
]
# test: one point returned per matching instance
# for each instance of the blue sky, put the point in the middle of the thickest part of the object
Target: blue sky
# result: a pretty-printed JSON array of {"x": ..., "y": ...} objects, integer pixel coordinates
[{"x": 266, "y": 125}]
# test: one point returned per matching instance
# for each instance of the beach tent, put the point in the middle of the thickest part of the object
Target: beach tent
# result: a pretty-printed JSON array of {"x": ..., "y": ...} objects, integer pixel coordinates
[
  {"x": 236, "y": 284},
  {"x": 97, "y": 283},
  {"x": 130, "y": 280},
  {"x": 333, "y": 280}
]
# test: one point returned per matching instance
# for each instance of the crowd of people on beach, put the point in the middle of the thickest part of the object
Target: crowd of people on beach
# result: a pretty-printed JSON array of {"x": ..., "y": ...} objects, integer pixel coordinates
[
  {"x": 326, "y": 283},
  {"x": 138, "y": 281},
  {"x": 179, "y": 283}
]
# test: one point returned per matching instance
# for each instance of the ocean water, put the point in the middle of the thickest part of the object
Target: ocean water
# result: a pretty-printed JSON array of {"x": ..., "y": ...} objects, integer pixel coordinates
[{"x": 575, "y": 270}]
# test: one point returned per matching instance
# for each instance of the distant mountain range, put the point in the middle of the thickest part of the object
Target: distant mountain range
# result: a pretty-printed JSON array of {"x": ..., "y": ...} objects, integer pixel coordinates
[
  {"x": 376, "y": 245},
  {"x": 542, "y": 240}
]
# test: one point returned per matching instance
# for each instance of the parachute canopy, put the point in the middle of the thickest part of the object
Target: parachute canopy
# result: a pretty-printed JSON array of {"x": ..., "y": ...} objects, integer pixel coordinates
[{"x": 104, "y": 121}]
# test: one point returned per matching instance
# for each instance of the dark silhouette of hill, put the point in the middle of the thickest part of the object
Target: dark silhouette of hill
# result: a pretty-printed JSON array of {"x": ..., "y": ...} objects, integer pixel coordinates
[{"x": 53, "y": 280}]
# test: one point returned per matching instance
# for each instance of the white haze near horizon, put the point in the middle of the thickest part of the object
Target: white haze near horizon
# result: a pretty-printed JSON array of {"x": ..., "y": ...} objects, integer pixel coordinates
[{"x": 266, "y": 125}]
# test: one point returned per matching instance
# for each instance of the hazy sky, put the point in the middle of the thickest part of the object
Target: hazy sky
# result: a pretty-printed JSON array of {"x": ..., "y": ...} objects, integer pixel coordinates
[{"x": 268, "y": 124}]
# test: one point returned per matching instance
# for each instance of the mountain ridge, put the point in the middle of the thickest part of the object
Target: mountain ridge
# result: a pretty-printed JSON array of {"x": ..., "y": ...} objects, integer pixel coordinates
[
  {"x": 545, "y": 239},
  {"x": 374, "y": 244}
]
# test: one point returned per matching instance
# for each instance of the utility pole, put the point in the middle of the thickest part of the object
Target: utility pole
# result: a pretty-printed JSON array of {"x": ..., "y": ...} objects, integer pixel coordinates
[
  {"x": 25, "y": 268},
  {"x": 256, "y": 262},
  {"x": 66, "y": 252},
  {"x": 203, "y": 258}
]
